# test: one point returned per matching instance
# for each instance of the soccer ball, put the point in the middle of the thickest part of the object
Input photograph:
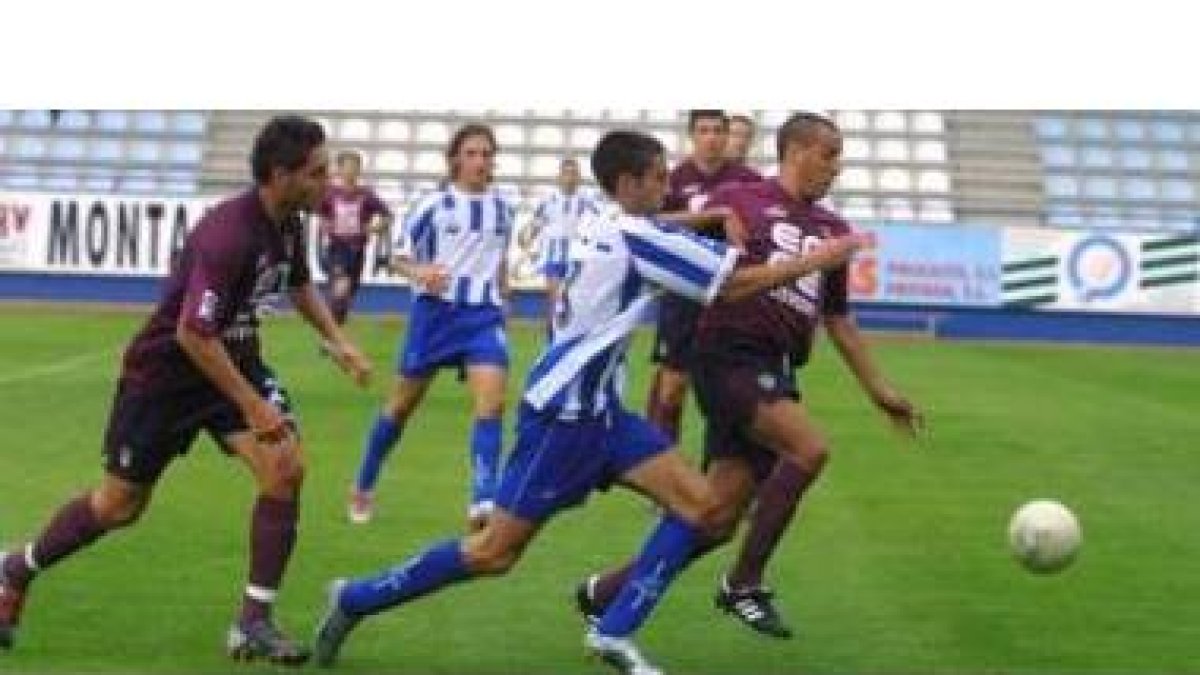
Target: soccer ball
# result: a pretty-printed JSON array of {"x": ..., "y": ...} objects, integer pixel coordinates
[{"x": 1044, "y": 536}]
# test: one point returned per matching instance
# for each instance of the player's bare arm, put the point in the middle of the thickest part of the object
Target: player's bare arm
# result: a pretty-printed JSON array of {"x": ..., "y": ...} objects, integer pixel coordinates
[
  {"x": 210, "y": 356},
  {"x": 433, "y": 276},
  {"x": 748, "y": 281},
  {"x": 707, "y": 219},
  {"x": 344, "y": 352},
  {"x": 379, "y": 224},
  {"x": 844, "y": 333}
]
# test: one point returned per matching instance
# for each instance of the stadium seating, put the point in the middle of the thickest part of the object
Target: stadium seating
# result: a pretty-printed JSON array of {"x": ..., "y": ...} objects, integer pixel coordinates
[
  {"x": 131, "y": 152},
  {"x": 1091, "y": 168}
]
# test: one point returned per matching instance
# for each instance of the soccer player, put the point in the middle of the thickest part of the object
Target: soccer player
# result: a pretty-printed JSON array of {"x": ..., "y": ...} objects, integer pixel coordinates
[
  {"x": 691, "y": 182},
  {"x": 759, "y": 438},
  {"x": 454, "y": 252},
  {"x": 197, "y": 365},
  {"x": 349, "y": 214},
  {"x": 741, "y": 137},
  {"x": 574, "y": 436},
  {"x": 554, "y": 223}
]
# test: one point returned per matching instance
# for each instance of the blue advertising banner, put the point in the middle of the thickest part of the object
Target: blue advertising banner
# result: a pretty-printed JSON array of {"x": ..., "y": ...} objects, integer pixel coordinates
[{"x": 929, "y": 265}]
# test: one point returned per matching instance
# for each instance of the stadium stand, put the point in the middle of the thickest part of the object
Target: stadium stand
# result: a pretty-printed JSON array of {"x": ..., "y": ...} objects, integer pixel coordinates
[{"x": 1073, "y": 169}]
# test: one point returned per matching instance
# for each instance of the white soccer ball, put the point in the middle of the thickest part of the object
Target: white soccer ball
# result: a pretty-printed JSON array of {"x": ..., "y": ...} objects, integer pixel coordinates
[{"x": 1044, "y": 536}]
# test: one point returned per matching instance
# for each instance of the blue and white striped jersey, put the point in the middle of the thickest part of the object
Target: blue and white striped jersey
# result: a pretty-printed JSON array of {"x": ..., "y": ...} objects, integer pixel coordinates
[
  {"x": 616, "y": 265},
  {"x": 468, "y": 234},
  {"x": 558, "y": 218}
]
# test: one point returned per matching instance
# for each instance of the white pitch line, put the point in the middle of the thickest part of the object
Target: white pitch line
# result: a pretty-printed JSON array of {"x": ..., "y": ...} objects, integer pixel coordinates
[{"x": 56, "y": 368}]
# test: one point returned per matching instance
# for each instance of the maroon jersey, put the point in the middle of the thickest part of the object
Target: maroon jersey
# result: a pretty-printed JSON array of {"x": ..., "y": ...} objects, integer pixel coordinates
[
  {"x": 235, "y": 266},
  {"x": 689, "y": 190},
  {"x": 690, "y": 187},
  {"x": 782, "y": 320},
  {"x": 349, "y": 212}
]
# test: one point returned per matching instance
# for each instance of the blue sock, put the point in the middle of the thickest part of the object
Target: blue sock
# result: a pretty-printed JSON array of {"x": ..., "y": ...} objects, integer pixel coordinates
[
  {"x": 383, "y": 438},
  {"x": 666, "y": 552},
  {"x": 438, "y": 566},
  {"x": 485, "y": 458}
]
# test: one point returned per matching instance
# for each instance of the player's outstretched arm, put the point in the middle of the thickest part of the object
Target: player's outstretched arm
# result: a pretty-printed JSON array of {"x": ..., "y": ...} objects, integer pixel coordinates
[
  {"x": 700, "y": 221},
  {"x": 748, "y": 281},
  {"x": 857, "y": 355},
  {"x": 310, "y": 305}
]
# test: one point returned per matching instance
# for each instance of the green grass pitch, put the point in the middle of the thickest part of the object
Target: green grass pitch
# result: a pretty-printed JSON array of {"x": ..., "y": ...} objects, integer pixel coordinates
[{"x": 897, "y": 562}]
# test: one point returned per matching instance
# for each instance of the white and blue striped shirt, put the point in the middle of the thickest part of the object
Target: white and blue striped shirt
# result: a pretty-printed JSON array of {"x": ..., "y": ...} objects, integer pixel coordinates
[
  {"x": 466, "y": 233},
  {"x": 558, "y": 218},
  {"x": 616, "y": 265}
]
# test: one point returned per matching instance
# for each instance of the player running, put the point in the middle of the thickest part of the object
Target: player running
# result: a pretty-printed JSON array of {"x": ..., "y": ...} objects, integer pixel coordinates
[
  {"x": 197, "y": 366},
  {"x": 690, "y": 185},
  {"x": 454, "y": 252},
  {"x": 555, "y": 221},
  {"x": 759, "y": 438},
  {"x": 349, "y": 214},
  {"x": 574, "y": 435}
]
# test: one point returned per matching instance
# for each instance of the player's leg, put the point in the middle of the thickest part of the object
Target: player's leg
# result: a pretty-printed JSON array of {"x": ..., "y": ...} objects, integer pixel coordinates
[
  {"x": 418, "y": 363},
  {"x": 486, "y": 361},
  {"x": 691, "y": 515},
  {"x": 539, "y": 480},
  {"x": 731, "y": 480},
  {"x": 555, "y": 271},
  {"x": 142, "y": 438},
  {"x": 553, "y": 289},
  {"x": 403, "y": 400},
  {"x": 279, "y": 473},
  {"x": 344, "y": 261},
  {"x": 492, "y": 551},
  {"x": 644, "y": 459},
  {"x": 423, "y": 353},
  {"x": 278, "y": 470},
  {"x": 782, "y": 426},
  {"x": 775, "y": 507},
  {"x": 77, "y": 524},
  {"x": 487, "y": 384},
  {"x": 668, "y": 394},
  {"x": 673, "y": 350}
]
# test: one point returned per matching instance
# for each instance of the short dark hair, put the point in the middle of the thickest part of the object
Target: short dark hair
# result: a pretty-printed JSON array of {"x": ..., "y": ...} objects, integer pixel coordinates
[
  {"x": 284, "y": 142},
  {"x": 624, "y": 152},
  {"x": 800, "y": 128},
  {"x": 566, "y": 161},
  {"x": 694, "y": 117},
  {"x": 346, "y": 155}
]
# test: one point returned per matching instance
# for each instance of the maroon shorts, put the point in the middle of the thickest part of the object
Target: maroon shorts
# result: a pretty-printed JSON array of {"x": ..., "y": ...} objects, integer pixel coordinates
[
  {"x": 147, "y": 429},
  {"x": 730, "y": 385},
  {"x": 676, "y": 332}
]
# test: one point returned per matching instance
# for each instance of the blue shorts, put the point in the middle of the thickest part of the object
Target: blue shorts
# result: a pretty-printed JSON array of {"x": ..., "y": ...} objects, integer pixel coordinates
[
  {"x": 442, "y": 334},
  {"x": 557, "y": 463},
  {"x": 554, "y": 265},
  {"x": 555, "y": 270}
]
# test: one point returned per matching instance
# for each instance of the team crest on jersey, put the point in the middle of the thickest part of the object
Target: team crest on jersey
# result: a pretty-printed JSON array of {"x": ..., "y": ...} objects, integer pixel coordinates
[
  {"x": 269, "y": 288},
  {"x": 768, "y": 381}
]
